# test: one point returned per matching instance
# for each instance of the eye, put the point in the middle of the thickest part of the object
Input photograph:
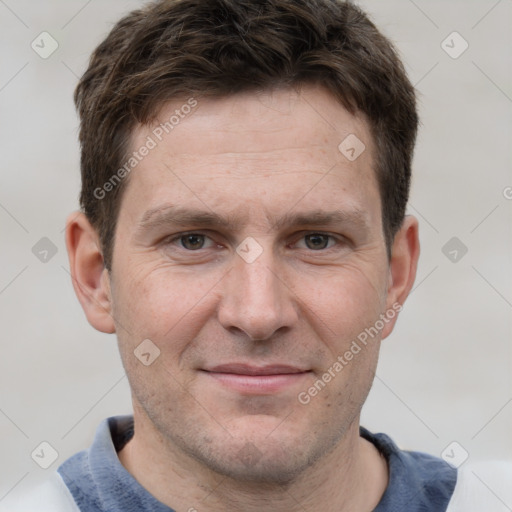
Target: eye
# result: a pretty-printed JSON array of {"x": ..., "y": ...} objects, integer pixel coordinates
[
  {"x": 317, "y": 241},
  {"x": 191, "y": 247},
  {"x": 192, "y": 241}
]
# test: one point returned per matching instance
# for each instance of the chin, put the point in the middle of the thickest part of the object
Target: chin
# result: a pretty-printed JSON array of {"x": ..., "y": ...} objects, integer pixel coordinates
[
  {"x": 276, "y": 456},
  {"x": 250, "y": 464}
]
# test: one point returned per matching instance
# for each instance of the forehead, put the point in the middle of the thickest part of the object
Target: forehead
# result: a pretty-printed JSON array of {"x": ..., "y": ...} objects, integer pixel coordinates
[{"x": 256, "y": 151}]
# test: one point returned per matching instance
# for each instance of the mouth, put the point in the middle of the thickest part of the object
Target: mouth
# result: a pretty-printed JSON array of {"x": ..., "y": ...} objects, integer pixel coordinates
[{"x": 257, "y": 380}]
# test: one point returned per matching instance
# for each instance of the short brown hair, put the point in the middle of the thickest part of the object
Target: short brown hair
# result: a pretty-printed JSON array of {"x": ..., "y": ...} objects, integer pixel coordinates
[{"x": 215, "y": 48}]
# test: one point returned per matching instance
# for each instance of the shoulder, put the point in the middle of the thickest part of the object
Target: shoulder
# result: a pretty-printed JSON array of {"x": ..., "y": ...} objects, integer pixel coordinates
[
  {"x": 49, "y": 496},
  {"x": 420, "y": 482},
  {"x": 417, "y": 481},
  {"x": 483, "y": 486}
]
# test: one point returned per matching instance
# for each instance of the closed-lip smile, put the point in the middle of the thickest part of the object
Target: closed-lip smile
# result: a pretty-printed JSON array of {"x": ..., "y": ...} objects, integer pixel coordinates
[
  {"x": 246, "y": 369},
  {"x": 259, "y": 380}
]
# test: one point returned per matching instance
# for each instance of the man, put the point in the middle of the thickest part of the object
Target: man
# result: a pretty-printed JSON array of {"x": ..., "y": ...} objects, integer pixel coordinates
[{"x": 245, "y": 174}]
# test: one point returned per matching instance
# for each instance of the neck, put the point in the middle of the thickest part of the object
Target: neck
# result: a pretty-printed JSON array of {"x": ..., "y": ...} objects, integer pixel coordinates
[{"x": 353, "y": 476}]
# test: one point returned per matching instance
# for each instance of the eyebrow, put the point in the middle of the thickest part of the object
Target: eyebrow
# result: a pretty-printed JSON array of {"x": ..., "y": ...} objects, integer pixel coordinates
[
  {"x": 170, "y": 215},
  {"x": 356, "y": 217},
  {"x": 180, "y": 216}
]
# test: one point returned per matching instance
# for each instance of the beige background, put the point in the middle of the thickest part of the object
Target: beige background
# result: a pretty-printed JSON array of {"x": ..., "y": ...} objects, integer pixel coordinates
[{"x": 445, "y": 374}]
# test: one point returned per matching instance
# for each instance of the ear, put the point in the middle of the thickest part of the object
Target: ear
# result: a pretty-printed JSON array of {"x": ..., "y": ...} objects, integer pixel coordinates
[
  {"x": 88, "y": 273},
  {"x": 402, "y": 269}
]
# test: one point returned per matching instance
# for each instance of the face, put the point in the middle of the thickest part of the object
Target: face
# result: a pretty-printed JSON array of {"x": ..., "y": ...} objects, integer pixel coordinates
[{"x": 249, "y": 249}]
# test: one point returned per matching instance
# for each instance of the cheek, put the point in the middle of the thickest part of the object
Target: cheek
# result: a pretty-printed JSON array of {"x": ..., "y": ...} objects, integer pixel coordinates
[
  {"x": 343, "y": 302},
  {"x": 169, "y": 311},
  {"x": 163, "y": 305}
]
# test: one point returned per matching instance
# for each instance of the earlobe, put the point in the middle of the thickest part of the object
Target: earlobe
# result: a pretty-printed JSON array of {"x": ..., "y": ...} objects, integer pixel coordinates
[
  {"x": 402, "y": 267},
  {"x": 89, "y": 276}
]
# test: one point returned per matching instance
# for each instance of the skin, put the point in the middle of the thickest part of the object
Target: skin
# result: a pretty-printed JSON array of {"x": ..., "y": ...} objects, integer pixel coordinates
[{"x": 264, "y": 164}]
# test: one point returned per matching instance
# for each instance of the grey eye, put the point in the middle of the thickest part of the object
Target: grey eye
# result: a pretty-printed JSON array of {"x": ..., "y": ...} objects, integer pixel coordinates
[{"x": 317, "y": 241}]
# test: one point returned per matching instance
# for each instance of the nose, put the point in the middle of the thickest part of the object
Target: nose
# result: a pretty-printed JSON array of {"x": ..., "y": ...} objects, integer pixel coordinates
[{"x": 256, "y": 300}]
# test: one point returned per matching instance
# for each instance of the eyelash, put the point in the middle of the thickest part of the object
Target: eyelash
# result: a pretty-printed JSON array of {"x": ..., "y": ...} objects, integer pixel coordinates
[{"x": 338, "y": 240}]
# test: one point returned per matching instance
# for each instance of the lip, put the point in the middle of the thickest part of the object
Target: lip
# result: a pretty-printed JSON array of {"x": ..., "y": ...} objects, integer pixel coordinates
[
  {"x": 258, "y": 380},
  {"x": 247, "y": 369}
]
